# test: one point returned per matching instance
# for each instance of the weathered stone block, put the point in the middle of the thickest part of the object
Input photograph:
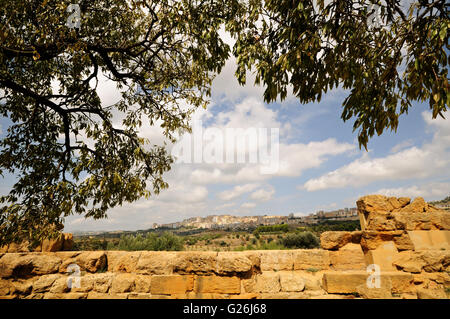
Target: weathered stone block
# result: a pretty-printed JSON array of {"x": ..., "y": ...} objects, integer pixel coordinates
[
  {"x": 349, "y": 257},
  {"x": 316, "y": 259},
  {"x": 291, "y": 281},
  {"x": 268, "y": 281},
  {"x": 233, "y": 263},
  {"x": 333, "y": 240},
  {"x": 197, "y": 262},
  {"x": 431, "y": 220},
  {"x": 28, "y": 264},
  {"x": 123, "y": 261},
  {"x": 217, "y": 284},
  {"x": 276, "y": 260},
  {"x": 155, "y": 263},
  {"x": 122, "y": 283},
  {"x": 403, "y": 242},
  {"x": 430, "y": 239},
  {"x": 371, "y": 239},
  {"x": 142, "y": 283},
  {"x": 344, "y": 282},
  {"x": 383, "y": 256},
  {"x": 44, "y": 283},
  {"x": 171, "y": 284},
  {"x": 69, "y": 295},
  {"x": 87, "y": 261}
]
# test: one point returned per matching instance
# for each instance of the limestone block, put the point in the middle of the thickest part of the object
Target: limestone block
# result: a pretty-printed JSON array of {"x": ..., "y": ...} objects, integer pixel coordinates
[
  {"x": 357, "y": 282},
  {"x": 123, "y": 261},
  {"x": 403, "y": 242},
  {"x": 272, "y": 260},
  {"x": 371, "y": 239},
  {"x": 217, "y": 284},
  {"x": 122, "y": 283},
  {"x": 268, "y": 281},
  {"x": 90, "y": 261},
  {"x": 233, "y": 263},
  {"x": 383, "y": 256},
  {"x": 417, "y": 205},
  {"x": 54, "y": 244},
  {"x": 333, "y": 240},
  {"x": 349, "y": 257},
  {"x": 155, "y": 263},
  {"x": 44, "y": 283},
  {"x": 142, "y": 283},
  {"x": 374, "y": 203},
  {"x": 380, "y": 221},
  {"x": 408, "y": 261},
  {"x": 428, "y": 260},
  {"x": 430, "y": 239},
  {"x": 312, "y": 280},
  {"x": 196, "y": 262},
  {"x": 27, "y": 264},
  {"x": 171, "y": 284},
  {"x": 438, "y": 293},
  {"x": 22, "y": 287},
  {"x": 5, "y": 287},
  {"x": 344, "y": 282},
  {"x": 291, "y": 281},
  {"x": 306, "y": 259},
  {"x": 70, "y": 295},
  {"x": 430, "y": 220}
]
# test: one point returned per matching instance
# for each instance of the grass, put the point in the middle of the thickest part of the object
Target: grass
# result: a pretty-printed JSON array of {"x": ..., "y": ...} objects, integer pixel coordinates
[{"x": 313, "y": 270}]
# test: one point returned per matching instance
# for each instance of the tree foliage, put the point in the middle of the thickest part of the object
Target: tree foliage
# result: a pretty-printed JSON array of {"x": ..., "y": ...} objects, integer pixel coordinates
[
  {"x": 71, "y": 153},
  {"x": 166, "y": 241},
  {"x": 301, "y": 240},
  {"x": 386, "y": 53}
]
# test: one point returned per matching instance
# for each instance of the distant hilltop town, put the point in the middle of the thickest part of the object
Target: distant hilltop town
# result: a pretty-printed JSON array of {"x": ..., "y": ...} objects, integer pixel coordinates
[{"x": 230, "y": 221}]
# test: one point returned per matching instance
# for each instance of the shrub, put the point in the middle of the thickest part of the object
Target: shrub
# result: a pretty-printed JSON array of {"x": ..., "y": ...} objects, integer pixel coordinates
[
  {"x": 301, "y": 240},
  {"x": 166, "y": 241}
]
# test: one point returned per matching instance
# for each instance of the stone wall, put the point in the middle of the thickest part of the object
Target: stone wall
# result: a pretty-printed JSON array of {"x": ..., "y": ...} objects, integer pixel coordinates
[
  {"x": 410, "y": 250},
  {"x": 63, "y": 242}
]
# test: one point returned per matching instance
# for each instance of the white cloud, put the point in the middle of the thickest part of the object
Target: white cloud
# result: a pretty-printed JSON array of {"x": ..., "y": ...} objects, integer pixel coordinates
[
  {"x": 402, "y": 145},
  {"x": 236, "y": 191},
  {"x": 431, "y": 159},
  {"x": 248, "y": 205},
  {"x": 428, "y": 190},
  {"x": 262, "y": 194},
  {"x": 294, "y": 158},
  {"x": 223, "y": 206}
]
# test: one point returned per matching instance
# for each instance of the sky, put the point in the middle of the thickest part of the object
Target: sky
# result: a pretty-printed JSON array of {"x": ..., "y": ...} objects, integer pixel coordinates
[{"x": 319, "y": 165}]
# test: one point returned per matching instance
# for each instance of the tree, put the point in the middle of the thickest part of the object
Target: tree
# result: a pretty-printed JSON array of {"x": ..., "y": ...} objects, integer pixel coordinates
[
  {"x": 386, "y": 55},
  {"x": 301, "y": 240},
  {"x": 71, "y": 153}
]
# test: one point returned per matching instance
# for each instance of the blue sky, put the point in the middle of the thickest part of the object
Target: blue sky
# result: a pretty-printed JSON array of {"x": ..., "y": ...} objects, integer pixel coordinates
[{"x": 321, "y": 165}]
